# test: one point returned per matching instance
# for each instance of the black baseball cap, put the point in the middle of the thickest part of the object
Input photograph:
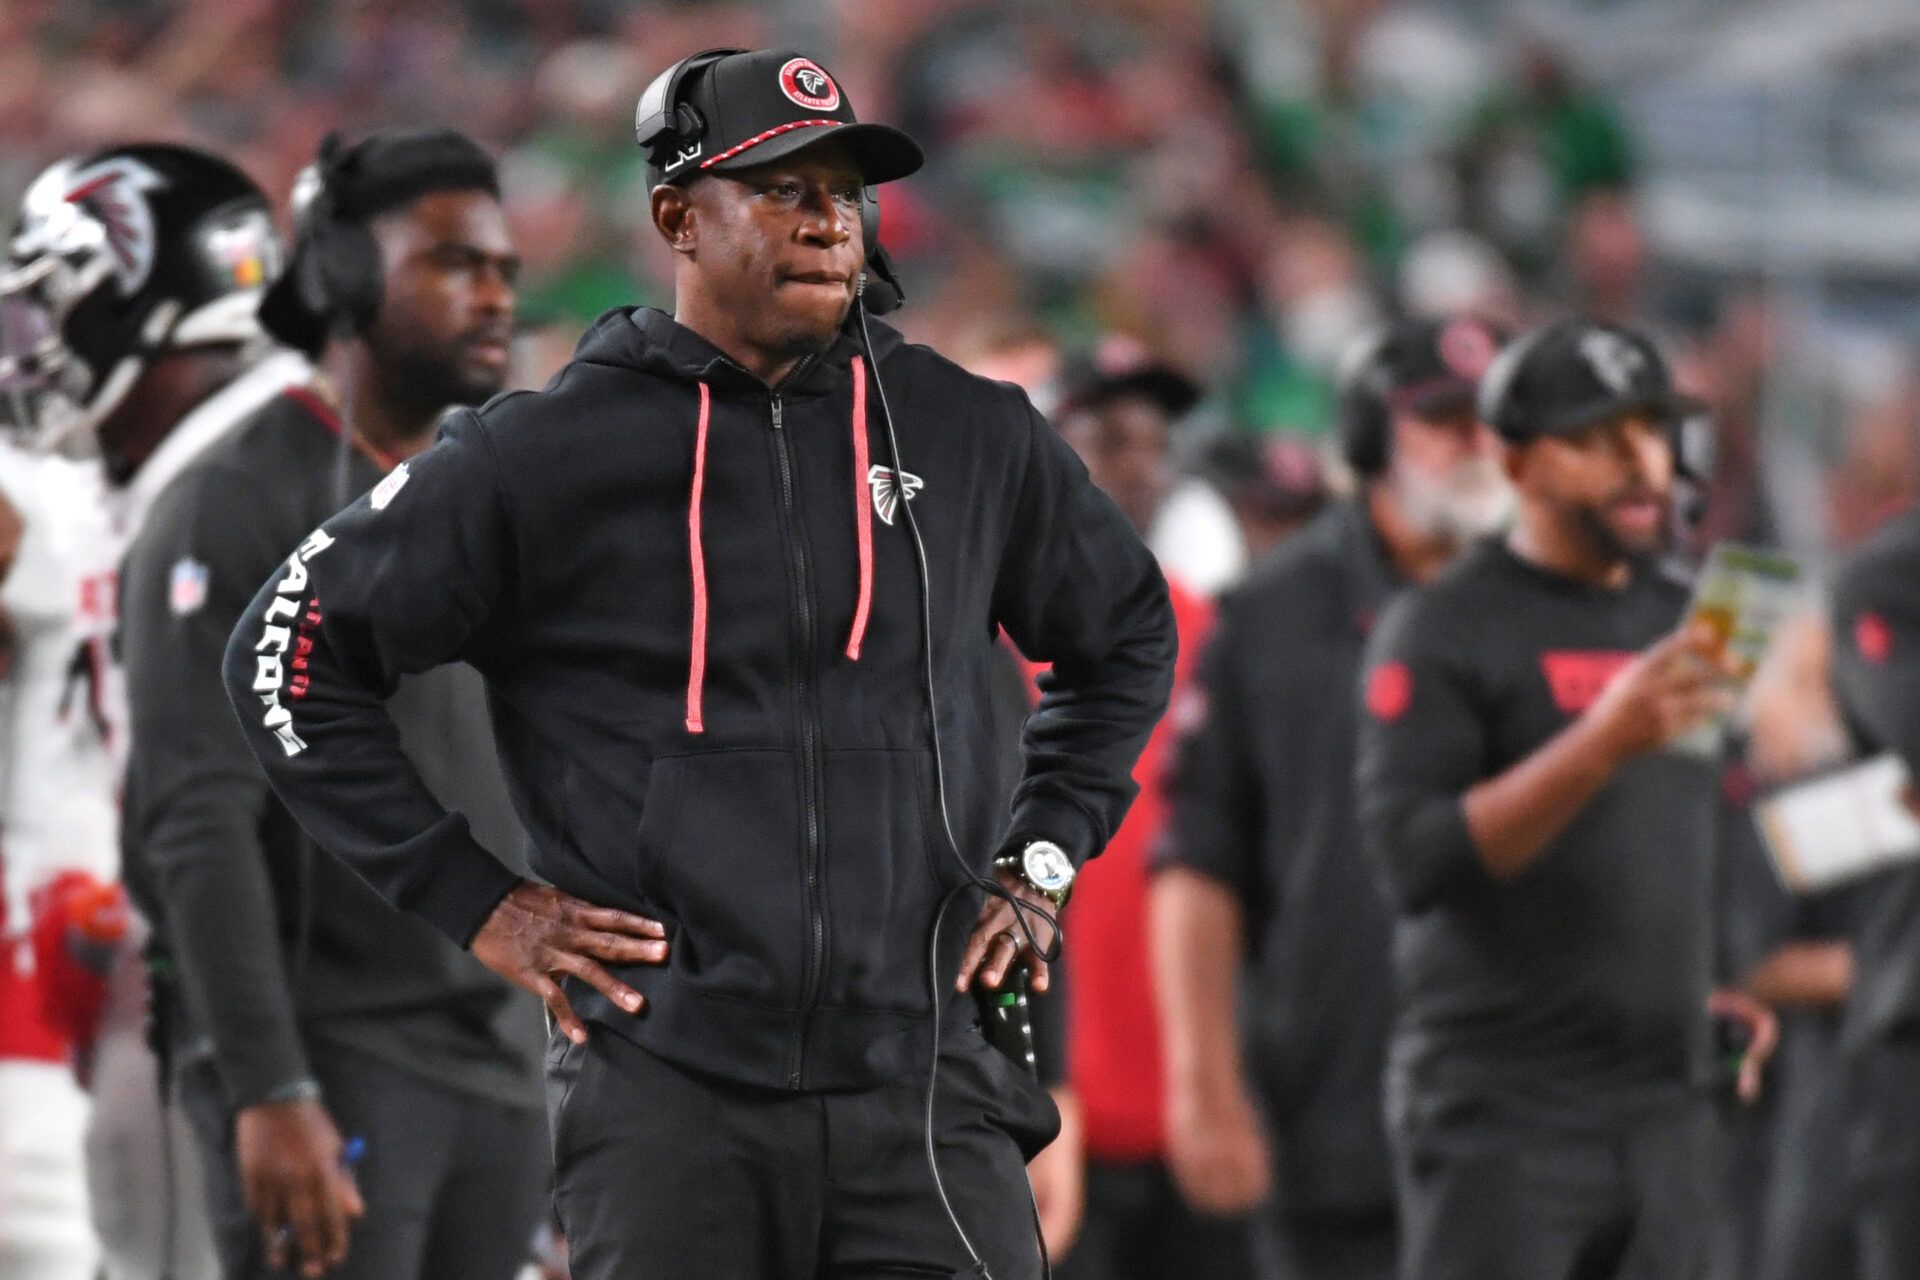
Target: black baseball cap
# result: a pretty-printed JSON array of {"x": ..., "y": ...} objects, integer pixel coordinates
[
  {"x": 762, "y": 105},
  {"x": 1574, "y": 374},
  {"x": 1120, "y": 366},
  {"x": 1282, "y": 476},
  {"x": 1426, "y": 366}
]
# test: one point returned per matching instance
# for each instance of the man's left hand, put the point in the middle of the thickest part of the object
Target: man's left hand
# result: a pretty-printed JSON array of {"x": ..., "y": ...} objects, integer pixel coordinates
[
  {"x": 998, "y": 941},
  {"x": 1763, "y": 1034}
]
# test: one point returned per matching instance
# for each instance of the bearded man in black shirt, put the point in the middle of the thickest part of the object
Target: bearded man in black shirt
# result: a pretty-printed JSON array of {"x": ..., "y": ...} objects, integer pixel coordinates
[{"x": 1550, "y": 854}]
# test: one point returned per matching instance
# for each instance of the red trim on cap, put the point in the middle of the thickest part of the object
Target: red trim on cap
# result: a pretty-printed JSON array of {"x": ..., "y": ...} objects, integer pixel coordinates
[
  {"x": 1414, "y": 392},
  {"x": 788, "y": 127}
]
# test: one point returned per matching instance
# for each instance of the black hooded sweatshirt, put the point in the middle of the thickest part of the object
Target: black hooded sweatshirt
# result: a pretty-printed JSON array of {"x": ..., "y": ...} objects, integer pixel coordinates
[{"x": 696, "y": 603}]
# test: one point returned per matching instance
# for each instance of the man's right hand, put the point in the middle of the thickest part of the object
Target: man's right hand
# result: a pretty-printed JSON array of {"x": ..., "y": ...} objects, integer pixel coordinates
[
  {"x": 1217, "y": 1148},
  {"x": 295, "y": 1184},
  {"x": 1675, "y": 686},
  {"x": 538, "y": 933}
]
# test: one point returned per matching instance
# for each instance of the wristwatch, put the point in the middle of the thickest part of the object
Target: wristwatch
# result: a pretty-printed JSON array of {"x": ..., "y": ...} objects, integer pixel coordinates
[{"x": 1045, "y": 868}]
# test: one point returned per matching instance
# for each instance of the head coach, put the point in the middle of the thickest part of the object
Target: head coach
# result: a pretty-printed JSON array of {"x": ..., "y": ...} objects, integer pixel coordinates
[{"x": 734, "y": 579}]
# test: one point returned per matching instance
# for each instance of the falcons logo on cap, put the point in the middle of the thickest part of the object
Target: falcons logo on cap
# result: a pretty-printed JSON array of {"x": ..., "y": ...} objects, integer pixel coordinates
[
  {"x": 807, "y": 83},
  {"x": 1614, "y": 360},
  {"x": 113, "y": 193},
  {"x": 886, "y": 495}
]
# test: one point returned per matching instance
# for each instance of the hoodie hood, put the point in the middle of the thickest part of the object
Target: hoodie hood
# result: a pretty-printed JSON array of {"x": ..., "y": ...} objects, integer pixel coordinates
[{"x": 651, "y": 341}]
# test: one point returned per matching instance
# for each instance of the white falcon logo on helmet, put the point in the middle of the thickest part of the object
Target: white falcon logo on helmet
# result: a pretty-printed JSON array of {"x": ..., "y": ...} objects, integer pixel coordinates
[
  {"x": 886, "y": 495},
  {"x": 113, "y": 193}
]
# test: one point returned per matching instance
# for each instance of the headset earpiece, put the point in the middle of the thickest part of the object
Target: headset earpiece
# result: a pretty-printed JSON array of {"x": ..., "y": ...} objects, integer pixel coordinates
[
  {"x": 869, "y": 219},
  {"x": 350, "y": 260},
  {"x": 336, "y": 261},
  {"x": 1365, "y": 424},
  {"x": 668, "y": 129},
  {"x": 880, "y": 290},
  {"x": 1695, "y": 446},
  {"x": 1494, "y": 402}
]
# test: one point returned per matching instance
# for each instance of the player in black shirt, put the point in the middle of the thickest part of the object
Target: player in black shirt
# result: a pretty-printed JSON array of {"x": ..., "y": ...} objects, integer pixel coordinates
[
  {"x": 1549, "y": 853},
  {"x": 1876, "y": 661}
]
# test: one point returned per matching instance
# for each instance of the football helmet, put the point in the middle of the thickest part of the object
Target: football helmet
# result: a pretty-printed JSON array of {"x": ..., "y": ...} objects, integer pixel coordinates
[{"x": 117, "y": 257}]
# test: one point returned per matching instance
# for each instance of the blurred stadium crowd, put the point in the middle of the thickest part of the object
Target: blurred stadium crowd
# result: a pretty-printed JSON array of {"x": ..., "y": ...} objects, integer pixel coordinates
[
  {"x": 1237, "y": 189},
  {"x": 1241, "y": 186}
]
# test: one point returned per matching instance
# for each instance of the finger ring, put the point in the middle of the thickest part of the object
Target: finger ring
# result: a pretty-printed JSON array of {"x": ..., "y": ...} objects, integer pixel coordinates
[{"x": 1011, "y": 938}]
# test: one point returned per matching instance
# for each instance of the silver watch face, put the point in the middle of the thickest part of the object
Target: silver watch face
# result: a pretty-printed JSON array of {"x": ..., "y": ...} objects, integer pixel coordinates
[{"x": 1047, "y": 866}]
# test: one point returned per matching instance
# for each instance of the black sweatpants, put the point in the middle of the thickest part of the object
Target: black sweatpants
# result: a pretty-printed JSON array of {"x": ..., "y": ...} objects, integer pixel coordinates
[
  {"x": 454, "y": 1185},
  {"x": 1506, "y": 1201},
  {"x": 668, "y": 1175},
  {"x": 1883, "y": 1135},
  {"x": 1138, "y": 1227},
  {"x": 1326, "y": 1246},
  {"x": 1806, "y": 1220}
]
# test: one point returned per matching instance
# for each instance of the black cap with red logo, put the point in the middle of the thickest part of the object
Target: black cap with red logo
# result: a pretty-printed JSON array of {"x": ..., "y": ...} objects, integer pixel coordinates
[
  {"x": 1425, "y": 367},
  {"x": 731, "y": 109},
  {"x": 1119, "y": 366}
]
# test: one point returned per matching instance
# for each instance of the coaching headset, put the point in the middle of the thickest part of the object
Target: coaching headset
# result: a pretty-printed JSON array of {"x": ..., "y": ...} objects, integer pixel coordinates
[
  {"x": 336, "y": 271},
  {"x": 1410, "y": 365},
  {"x": 334, "y": 282}
]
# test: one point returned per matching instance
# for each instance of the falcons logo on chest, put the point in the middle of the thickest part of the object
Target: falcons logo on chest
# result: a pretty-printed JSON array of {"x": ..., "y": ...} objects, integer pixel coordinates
[{"x": 886, "y": 495}]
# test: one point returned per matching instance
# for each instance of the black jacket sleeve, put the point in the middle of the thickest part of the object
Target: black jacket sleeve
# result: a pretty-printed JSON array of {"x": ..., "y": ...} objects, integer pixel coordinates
[
  {"x": 195, "y": 799},
  {"x": 1078, "y": 589},
  {"x": 406, "y": 579},
  {"x": 1876, "y": 645},
  {"x": 1422, "y": 745},
  {"x": 1214, "y": 785}
]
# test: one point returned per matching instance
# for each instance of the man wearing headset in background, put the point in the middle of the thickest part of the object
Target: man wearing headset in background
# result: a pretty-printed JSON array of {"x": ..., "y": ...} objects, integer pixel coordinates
[
  {"x": 715, "y": 576},
  {"x": 313, "y": 1023},
  {"x": 1550, "y": 853},
  {"x": 1264, "y": 860}
]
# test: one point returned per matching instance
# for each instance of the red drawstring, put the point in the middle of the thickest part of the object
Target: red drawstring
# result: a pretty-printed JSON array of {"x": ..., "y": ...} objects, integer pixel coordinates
[
  {"x": 697, "y": 670},
  {"x": 863, "y": 518},
  {"x": 863, "y": 511}
]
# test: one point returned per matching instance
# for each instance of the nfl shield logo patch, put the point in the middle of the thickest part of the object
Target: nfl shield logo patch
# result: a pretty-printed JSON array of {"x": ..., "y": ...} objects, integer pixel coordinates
[
  {"x": 187, "y": 588},
  {"x": 384, "y": 491}
]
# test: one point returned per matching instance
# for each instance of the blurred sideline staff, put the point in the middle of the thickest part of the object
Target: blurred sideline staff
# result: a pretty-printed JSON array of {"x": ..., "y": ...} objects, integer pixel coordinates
[
  {"x": 1118, "y": 410},
  {"x": 1876, "y": 670},
  {"x": 1551, "y": 852},
  {"x": 131, "y": 283},
  {"x": 1263, "y": 882},
  {"x": 307, "y": 1012}
]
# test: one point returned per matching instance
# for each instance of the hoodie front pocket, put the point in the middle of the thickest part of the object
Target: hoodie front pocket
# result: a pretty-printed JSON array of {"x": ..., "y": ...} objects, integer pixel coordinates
[
  {"x": 883, "y": 883},
  {"x": 724, "y": 863}
]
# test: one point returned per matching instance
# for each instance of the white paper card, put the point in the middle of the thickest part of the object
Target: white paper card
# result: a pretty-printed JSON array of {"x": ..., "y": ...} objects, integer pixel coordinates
[{"x": 1842, "y": 826}]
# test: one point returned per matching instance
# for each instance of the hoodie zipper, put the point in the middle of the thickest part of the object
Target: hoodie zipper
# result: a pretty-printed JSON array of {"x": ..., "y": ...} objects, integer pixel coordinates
[{"x": 809, "y": 742}]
